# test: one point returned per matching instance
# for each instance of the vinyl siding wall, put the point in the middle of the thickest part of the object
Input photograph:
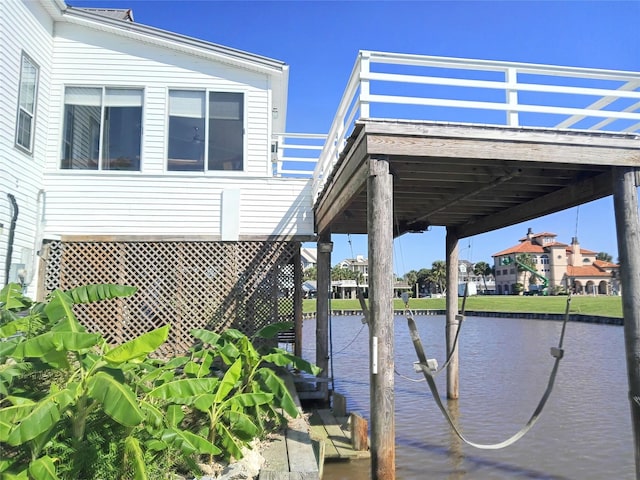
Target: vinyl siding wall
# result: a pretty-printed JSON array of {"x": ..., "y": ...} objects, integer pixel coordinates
[
  {"x": 24, "y": 27},
  {"x": 155, "y": 201}
]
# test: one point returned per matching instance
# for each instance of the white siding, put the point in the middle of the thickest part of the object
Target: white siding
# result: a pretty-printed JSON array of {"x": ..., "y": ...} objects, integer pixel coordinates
[
  {"x": 174, "y": 206},
  {"x": 24, "y": 27},
  {"x": 113, "y": 61},
  {"x": 154, "y": 201}
]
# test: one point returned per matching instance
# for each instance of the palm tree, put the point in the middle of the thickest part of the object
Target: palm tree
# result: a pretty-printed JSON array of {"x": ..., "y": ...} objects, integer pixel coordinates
[
  {"x": 483, "y": 269},
  {"x": 438, "y": 274},
  {"x": 525, "y": 260},
  {"x": 604, "y": 256}
]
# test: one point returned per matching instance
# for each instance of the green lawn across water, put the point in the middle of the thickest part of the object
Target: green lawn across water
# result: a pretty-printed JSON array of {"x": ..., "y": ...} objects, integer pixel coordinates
[{"x": 584, "y": 304}]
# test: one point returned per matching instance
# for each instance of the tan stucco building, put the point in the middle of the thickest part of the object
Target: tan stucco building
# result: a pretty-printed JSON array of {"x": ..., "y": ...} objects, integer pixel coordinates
[{"x": 557, "y": 267}]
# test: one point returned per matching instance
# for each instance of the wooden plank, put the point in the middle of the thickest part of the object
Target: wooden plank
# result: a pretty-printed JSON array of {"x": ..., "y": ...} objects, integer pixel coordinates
[
  {"x": 319, "y": 432},
  {"x": 339, "y": 405},
  {"x": 299, "y": 447},
  {"x": 340, "y": 439},
  {"x": 359, "y": 432},
  {"x": 275, "y": 455}
]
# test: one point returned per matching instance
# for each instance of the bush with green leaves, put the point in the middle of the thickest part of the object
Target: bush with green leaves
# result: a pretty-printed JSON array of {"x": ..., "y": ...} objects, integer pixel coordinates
[{"x": 73, "y": 406}]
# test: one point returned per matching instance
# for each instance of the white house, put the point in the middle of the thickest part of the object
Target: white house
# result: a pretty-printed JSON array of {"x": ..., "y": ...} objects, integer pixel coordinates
[{"x": 124, "y": 147}]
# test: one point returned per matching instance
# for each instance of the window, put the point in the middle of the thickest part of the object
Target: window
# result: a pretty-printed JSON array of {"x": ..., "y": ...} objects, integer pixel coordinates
[
  {"x": 102, "y": 129},
  {"x": 27, "y": 95},
  {"x": 206, "y": 129},
  {"x": 544, "y": 259}
]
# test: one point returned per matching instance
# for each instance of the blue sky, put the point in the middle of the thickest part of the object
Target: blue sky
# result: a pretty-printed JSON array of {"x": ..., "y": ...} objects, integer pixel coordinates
[{"x": 320, "y": 41}]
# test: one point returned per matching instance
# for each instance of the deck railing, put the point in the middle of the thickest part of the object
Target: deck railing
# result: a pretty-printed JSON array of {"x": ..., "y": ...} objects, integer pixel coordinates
[
  {"x": 295, "y": 155},
  {"x": 440, "y": 89}
]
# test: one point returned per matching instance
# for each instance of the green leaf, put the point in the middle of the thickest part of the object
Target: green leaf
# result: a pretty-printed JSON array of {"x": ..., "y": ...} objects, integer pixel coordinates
[
  {"x": 45, "y": 343},
  {"x": 174, "y": 415},
  {"x": 202, "y": 368},
  {"x": 232, "y": 445},
  {"x": 206, "y": 336},
  {"x": 117, "y": 399},
  {"x": 189, "y": 442},
  {"x": 97, "y": 292},
  {"x": 42, "y": 416},
  {"x": 281, "y": 358},
  {"x": 229, "y": 381},
  {"x": 154, "y": 417},
  {"x": 250, "y": 399},
  {"x": 134, "y": 457},
  {"x": 204, "y": 402},
  {"x": 59, "y": 311},
  {"x": 184, "y": 388},
  {"x": 43, "y": 469},
  {"x": 270, "y": 331},
  {"x": 242, "y": 426},
  {"x": 276, "y": 385},
  {"x": 138, "y": 347},
  {"x": 11, "y": 298}
]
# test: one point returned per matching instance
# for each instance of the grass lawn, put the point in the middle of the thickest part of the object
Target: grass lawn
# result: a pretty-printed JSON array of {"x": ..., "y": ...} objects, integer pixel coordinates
[{"x": 587, "y": 305}]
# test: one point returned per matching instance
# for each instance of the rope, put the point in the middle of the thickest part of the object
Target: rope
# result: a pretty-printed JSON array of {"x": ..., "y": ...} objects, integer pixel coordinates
[{"x": 556, "y": 352}]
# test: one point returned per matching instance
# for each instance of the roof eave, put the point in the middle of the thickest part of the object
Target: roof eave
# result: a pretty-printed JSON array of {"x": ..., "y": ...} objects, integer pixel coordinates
[{"x": 175, "y": 41}]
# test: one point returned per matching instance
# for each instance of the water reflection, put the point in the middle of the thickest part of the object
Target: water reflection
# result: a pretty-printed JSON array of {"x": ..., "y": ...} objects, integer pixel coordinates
[{"x": 584, "y": 432}]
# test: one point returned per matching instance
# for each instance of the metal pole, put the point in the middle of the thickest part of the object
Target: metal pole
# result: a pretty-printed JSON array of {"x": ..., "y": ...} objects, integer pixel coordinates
[
  {"x": 380, "y": 248},
  {"x": 625, "y": 202},
  {"x": 452, "y": 312}
]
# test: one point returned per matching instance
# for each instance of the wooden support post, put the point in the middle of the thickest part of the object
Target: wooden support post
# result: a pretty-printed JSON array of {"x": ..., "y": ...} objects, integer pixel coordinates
[
  {"x": 625, "y": 202},
  {"x": 380, "y": 248},
  {"x": 452, "y": 312},
  {"x": 322, "y": 310},
  {"x": 359, "y": 432},
  {"x": 297, "y": 302}
]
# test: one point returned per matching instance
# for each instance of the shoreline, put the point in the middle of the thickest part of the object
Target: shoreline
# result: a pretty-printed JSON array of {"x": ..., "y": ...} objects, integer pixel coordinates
[{"x": 573, "y": 317}]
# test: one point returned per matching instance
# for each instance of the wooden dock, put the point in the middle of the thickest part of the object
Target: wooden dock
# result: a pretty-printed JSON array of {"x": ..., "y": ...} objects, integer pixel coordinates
[{"x": 336, "y": 435}]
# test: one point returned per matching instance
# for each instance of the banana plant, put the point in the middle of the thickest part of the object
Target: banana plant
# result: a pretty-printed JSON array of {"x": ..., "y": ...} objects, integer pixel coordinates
[{"x": 90, "y": 378}]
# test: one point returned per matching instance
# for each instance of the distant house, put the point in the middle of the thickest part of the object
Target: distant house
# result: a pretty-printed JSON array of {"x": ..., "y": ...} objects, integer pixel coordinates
[
  {"x": 309, "y": 257},
  {"x": 485, "y": 285},
  {"x": 559, "y": 266}
]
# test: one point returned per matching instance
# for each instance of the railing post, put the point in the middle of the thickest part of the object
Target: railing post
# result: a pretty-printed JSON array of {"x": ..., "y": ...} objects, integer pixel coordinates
[
  {"x": 363, "y": 100},
  {"x": 512, "y": 96}
]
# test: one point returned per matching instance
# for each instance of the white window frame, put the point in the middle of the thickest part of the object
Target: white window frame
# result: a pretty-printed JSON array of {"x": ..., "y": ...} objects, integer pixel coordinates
[
  {"x": 97, "y": 154},
  {"x": 32, "y": 114},
  {"x": 206, "y": 170}
]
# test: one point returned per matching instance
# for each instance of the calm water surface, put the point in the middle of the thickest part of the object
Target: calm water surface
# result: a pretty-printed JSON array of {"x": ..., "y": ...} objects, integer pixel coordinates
[{"x": 585, "y": 429}]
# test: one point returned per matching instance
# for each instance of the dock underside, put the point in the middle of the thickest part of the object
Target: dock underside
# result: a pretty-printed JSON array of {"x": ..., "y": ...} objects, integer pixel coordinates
[{"x": 470, "y": 178}]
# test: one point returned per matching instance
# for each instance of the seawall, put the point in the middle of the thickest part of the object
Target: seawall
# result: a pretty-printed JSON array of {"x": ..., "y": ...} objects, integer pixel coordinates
[{"x": 573, "y": 317}]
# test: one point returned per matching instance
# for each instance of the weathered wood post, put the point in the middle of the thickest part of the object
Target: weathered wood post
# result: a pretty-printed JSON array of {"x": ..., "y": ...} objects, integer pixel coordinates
[
  {"x": 380, "y": 249},
  {"x": 322, "y": 309},
  {"x": 452, "y": 312},
  {"x": 625, "y": 202},
  {"x": 297, "y": 302}
]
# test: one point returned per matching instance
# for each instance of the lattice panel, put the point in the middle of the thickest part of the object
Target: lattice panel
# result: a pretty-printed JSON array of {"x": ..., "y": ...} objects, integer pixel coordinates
[{"x": 214, "y": 285}]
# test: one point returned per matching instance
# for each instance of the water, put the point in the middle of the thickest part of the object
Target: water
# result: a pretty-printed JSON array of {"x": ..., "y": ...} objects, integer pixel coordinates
[{"x": 584, "y": 432}]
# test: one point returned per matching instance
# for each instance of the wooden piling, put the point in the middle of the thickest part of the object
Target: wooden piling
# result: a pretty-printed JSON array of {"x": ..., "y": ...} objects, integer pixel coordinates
[
  {"x": 380, "y": 248},
  {"x": 453, "y": 377},
  {"x": 322, "y": 309},
  {"x": 625, "y": 202}
]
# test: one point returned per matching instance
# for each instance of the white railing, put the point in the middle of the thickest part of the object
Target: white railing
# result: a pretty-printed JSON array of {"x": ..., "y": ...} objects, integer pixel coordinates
[
  {"x": 295, "y": 155},
  {"x": 416, "y": 87}
]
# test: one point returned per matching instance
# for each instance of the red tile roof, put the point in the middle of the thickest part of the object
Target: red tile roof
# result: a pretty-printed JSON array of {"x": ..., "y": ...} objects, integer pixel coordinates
[
  {"x": 586, "y": 271},
  {"x": 536, "y": 235},
  {"x": 603, "y": 264},
  {"x": 522, "y": 247}
]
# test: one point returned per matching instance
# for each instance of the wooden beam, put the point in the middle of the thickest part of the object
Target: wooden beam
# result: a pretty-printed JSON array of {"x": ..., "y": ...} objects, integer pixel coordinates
[
  {"x": 453, "y": 376},
  {"x": 575, "y": 194},
  {"x": 297, "y": 302},
  {"x": 503, "y": 149},
  {"x": 349, "y": 178},
  {"x": 381, "y": 332},
  {"x": 625, "y": 203},
  {"x": 322, "y": 309}
]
